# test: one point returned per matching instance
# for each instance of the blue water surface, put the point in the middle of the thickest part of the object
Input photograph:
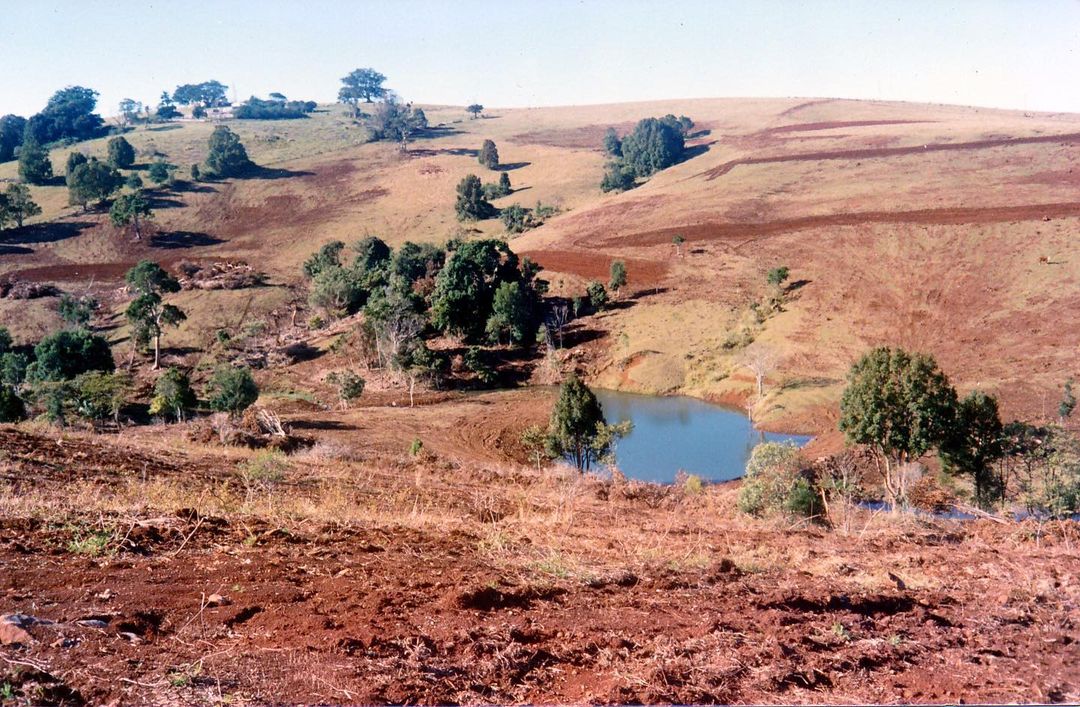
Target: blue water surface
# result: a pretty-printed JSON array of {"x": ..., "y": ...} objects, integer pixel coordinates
[{"x": 679, "y": 433}]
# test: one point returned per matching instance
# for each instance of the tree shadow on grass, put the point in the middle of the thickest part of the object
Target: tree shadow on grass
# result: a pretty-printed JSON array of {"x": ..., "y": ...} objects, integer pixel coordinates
[
  {"x": 193, "y": 187},
  {"x": 159, "y": 201},
  {"x": 49, "y": 232},
  {"x": 511, "y": 166},
  {"x": 15, "y": 250},
  {"x": 258, "y": 172},
  {"x": 176, "y": 240},
  {"x": 320, "y": 425},
  {"x": 695, "y": 151}
]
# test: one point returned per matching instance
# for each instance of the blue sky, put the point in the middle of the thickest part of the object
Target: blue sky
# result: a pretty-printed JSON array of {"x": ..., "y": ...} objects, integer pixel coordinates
[{"x": 1021, "y": 54}]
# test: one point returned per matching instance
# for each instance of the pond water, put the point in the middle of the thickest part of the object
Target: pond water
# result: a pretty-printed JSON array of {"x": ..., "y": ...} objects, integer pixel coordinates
[{"x": 679, "y": 433}]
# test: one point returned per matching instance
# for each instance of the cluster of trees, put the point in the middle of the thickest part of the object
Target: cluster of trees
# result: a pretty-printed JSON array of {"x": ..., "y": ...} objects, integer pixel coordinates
[
  {"x": 273, "y": 109},
  {"x": 397, "y": 122},
  {"x": 69, "y": 116},
  {"x": 902, "y": 406},
  {"x": 653, "y": 145},
  {"x": 477, "y": 290}
]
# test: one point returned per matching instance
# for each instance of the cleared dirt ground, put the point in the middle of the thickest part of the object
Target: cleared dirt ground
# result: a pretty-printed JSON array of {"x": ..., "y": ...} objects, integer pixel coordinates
[{"x": 381, "y": 579}]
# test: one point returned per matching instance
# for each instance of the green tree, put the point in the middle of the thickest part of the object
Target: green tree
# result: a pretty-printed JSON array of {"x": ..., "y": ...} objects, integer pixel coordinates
[
  {"x": 167, "y": 112},
  {"x": 18, "y": 205},
  {"x": 76, "y": 312},
  {"x": 327, "y": 257},
  {"x": 161, "y": 172},
  {"x": 652, "y": 146},
  {"x": 173, "y": 395},
  {"x": 148, "y": 313},
  {"x": 465, "y": 287},
  {"x": 474, "y": 109},
  {"x": 598, "y": 296},
  {"x": 231, "y": 389},
  {"x": 349, "y": 384},
  {"x": 678, "y": 240},
  {"x": 93, "y": 181},
  {"x": 121, "y": 153},
  {"x": 12, "y": 130},
  {"x": 68, "y": 114},
  {"x": 773, "y": 483},
  {"x": 98, "y": 396},
  {"x": 612, "y": 143},
  {"x": 900, "y": 405},
  {"x": 778, "y": 276},
  {"x": 74, "y": 159},
  {"x": 489, "y": 155},
  {"x": 617, "y": 177},
  {"x": 361, "y": 85},
  {"x": 397, "y": 122},
  {"x": 504, "y": 184},
  {"x": 12, "y": 408},
  {"x": 227, "y": 156},
  {"x": 471, "y": 204},
  {"x": 208, "y": 93},
  {"x": 130, "y": 110},
  {"x": 973, "y": 443},
  {"x": 516, "y": 218},
  {"x": 1067, "y": 404},
  {"x": 133, "y": 181},
  {"x": 35, "y": 167},
  {"x": 65, "y": 354},
  {"x": 5, "y": 340},
  {"x": 131, "y": 209},
  {"x": 618, "y": 276},
  {"x": 534, "y": 440},
  {"x": 575, "y": 423},
  {"x": 511, "y": 315}
]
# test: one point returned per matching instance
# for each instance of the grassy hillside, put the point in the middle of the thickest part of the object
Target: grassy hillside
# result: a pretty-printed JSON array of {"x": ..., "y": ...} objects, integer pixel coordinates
[{"x": 942, "y": 228}]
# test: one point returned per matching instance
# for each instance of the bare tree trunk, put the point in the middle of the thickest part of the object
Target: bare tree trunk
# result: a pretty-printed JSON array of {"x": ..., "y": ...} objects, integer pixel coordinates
[{"x": 157, "y": 350}]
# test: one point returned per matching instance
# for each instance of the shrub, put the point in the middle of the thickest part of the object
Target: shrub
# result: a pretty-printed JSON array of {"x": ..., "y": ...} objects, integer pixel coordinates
[
  {"x": 173, "y": 395},
  {"x": 617, "y": 177},
  {"x": 774, "y": 483},
  {"x": 66, "y": 354},
  {"x": 5, "y": 340},
  {"x": 516, "y": 218},
  {"x": 471, "y": 204},
  {"x": 12, "y": 408},
  {"x": 476, "y": 361},
  {"x": 598, "y": 296},
  {"x": 350, "y": 386},
  {"x": 161, "y": 172},
  {"x": 489, "y": 155},
  {"x": 99, "y": 396},
  {"x": 231, "y": 389},
  {"x": 227, "y": 156},
  {"x": 121, "y": 153}
]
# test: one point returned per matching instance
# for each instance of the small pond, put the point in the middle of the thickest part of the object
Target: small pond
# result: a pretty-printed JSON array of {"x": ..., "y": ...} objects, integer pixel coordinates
[{"x": 679, "y": 433}]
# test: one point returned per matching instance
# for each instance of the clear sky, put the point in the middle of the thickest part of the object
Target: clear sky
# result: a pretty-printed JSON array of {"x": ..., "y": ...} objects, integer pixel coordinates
[{"x": 1004, "y": 53}]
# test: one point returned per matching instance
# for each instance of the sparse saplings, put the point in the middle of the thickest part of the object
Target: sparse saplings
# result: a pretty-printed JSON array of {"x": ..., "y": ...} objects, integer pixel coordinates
[
  {"x": 121, "y": 153},
  {"x": 677, "y": 240},
  {"x": 227, "y": 156},
  {"x": 474, "y": 110},
  {"x": 35, "y": 167},
  {"x": 231, "y": 389},
  {"x": 93, "y": 181},
  {"x": 612, "y": 143},
  {"x": 173, "y": 395},
  {"x": 974, "y": 443},
  {"x": 471, "y": 205},
  {"x": 899, "y": 404},
  {"x": 618, "y": 276},
  {"x": 131, "y": 209},
  {"x": 489, "y": 155},
  {"x": 148, "y": 313},
  {"x": 17, "y": 204}
]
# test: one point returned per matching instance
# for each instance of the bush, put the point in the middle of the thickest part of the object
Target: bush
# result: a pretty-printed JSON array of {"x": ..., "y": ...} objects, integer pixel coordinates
[
  {"x": 774, "y": 484},
  {"x": 231, "y": 389},
  {"x": 99, "y": 396},
  {"x": 598, "y": 296},
  {"x": 161, "y": 172},
  {"x": 472, "y": 204},
  {"x": 476, "y": 361},
  {"x": 227, "y": 156},
  {"x": 173, "y": 395},
  {"x": 5, "y": 340},
  {"x": 489, "y": 155},
  {"x": 66, "y": 354},
  {"x": 617, "y": 177},
  {"x": 516, "y": 218},
  {"x": 121, "y": 153},
  {"x": 12, "y": 408},
  {"x": 350, "y": 386},
  {"x": 257, "y": 109}
]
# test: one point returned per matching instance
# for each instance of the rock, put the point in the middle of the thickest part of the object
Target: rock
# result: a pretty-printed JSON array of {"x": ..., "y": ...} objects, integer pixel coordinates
[
  {"x": 13, "y": 635},
  {"x": 106, "y": 595},
  {"x": 218, "y": 600},
  {"x": 92, "y": 623}
]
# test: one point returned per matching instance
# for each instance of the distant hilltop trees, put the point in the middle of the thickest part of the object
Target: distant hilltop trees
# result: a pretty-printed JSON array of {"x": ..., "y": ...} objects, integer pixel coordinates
[{"x": 653, "y": 145}]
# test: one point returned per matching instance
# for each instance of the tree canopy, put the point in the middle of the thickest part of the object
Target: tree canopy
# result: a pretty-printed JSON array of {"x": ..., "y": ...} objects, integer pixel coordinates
[
  {"x": 133, "y": 209},
  {"x": 652, "y": 146},
  {"x": 12, "y": 129},
  {"x": 227, "y": 156},
  {"x": 17, "y": 205},
  {"x": 68, "y": 353},
  {"x": 471, "y": 204},
  {"x": 148, "y": 313},
  {"x": 208, "y": 93},
  {"x": 92, "y": 181},
  {"x": 474, "y": 109},
  {"x": 576, "y": 421},
  {"x": 35, "y": 167},
  {"x": 489, "y": 155},
  {"x": 121, "y": 153},
  {"x": 361, "y": 85},
  {"x": 68, "y": 114}
]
